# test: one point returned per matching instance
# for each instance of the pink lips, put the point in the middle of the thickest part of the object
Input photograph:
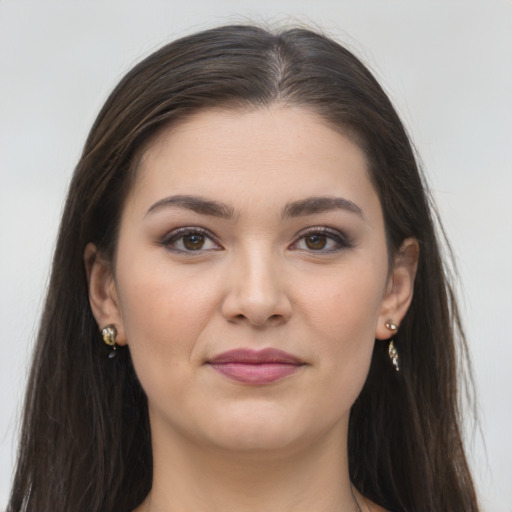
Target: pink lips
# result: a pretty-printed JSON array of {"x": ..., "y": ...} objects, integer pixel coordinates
[{"x": 256, "y": 366}]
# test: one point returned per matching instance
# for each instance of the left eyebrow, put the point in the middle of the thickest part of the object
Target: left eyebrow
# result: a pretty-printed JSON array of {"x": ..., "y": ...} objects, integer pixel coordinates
[{"x": 312, "y": 205}]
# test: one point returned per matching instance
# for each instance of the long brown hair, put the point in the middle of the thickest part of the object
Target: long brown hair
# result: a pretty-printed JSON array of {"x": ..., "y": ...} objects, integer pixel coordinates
[{"x": 85, "y": 442}]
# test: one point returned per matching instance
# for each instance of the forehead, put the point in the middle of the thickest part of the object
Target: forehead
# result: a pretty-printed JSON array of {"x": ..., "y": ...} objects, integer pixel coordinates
[{"x": 276, "y": 152}]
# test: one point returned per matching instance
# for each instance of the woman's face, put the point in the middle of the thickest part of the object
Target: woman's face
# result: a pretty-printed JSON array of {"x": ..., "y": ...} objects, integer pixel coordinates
[{"x": 251, "y": 279}]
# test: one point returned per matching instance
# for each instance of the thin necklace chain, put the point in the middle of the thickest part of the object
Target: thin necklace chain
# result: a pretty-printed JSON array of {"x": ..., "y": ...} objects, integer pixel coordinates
[{"x": 356, "y": 502}]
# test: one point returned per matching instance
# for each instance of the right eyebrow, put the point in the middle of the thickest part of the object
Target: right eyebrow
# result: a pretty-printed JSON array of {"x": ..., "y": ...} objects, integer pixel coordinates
[{"x": 197, "y": 204}]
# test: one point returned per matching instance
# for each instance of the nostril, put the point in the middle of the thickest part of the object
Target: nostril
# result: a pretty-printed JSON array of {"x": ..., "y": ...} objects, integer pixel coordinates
[
  {"x": 260, "y": 322},
  {"x": 275, "y": 319}
]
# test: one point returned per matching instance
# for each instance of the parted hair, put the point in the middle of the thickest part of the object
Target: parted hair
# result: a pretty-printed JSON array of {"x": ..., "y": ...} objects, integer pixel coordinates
[{"x": 85, "y": 443}]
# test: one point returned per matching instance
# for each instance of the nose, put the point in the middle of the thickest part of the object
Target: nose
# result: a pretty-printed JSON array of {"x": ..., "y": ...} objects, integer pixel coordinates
[{"x": 256, "y": 294}]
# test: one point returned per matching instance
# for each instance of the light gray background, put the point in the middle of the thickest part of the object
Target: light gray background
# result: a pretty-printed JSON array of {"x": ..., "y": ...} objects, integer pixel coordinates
[{"x": 448, "y": 67}]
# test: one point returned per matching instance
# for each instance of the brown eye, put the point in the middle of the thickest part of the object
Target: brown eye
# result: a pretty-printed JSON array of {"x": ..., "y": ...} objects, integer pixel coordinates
[
  {"x": 193, "y": 242},
  {"x": 316, "y": 241},
  {"x": 322, "y": 241},
  {"x": 190, "y": 239}
]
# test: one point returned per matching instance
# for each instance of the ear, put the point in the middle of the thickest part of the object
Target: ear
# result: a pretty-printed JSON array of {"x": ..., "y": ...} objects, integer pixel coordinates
[
  {"x": 399, "y": 291},
  {"x": 103, "y": 296}
]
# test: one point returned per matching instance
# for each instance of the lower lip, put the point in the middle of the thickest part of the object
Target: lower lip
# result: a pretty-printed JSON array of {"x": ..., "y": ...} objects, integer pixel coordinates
[{"x": 262, "y": 373}]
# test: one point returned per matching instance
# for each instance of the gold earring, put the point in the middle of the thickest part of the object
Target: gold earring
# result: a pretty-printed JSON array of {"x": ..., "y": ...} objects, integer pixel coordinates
[
  {"x": 109, "y": 334},
  {"x": 391, "y": 326},
  {"x": 392, "y": 351},
  {"x": 393, "y": 355}
]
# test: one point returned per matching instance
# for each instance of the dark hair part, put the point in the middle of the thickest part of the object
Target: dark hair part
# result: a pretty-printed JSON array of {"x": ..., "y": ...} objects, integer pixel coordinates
[{"x": 85, "y": 443}]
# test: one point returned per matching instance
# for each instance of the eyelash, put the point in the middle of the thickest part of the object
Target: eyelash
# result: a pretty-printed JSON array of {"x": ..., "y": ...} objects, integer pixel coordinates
[
  {"x": 341, "y": 241},
  {"x": 181, "y": 233}
]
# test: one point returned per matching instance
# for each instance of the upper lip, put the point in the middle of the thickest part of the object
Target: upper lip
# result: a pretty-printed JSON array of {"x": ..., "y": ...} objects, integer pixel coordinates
[{"x": 251, "y": 356}]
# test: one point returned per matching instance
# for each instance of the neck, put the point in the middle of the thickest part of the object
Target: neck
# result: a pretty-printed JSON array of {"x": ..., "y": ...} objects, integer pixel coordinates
[{"x": 205, "y": 479}]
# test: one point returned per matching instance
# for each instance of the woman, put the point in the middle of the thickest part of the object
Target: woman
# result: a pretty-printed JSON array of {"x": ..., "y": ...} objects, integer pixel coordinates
[{"x": 248, "y": 309}]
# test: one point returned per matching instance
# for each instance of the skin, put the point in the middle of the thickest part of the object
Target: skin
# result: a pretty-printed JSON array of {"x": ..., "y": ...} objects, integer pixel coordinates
[{"x": 258, "y": 280}]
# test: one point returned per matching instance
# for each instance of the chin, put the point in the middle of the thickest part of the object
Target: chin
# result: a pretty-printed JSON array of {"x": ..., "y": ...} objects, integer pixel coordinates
[
  {"x": 256, "y": 443},
  {"x": 262, "y": 431}
]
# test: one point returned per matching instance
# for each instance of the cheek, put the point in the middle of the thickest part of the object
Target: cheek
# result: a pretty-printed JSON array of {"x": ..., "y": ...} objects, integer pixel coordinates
[
  {"x": 342, "y": 312},
  {"x": 347, "y": 302},
  {"x": 164, "y": 312}
]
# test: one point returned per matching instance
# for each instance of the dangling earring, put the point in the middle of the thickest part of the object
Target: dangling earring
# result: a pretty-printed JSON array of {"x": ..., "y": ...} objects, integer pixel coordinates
[
  {"x": 392, "y": 351},
  {"x": 109, "y": 334},
  {"x": 393, "y": 355}
]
